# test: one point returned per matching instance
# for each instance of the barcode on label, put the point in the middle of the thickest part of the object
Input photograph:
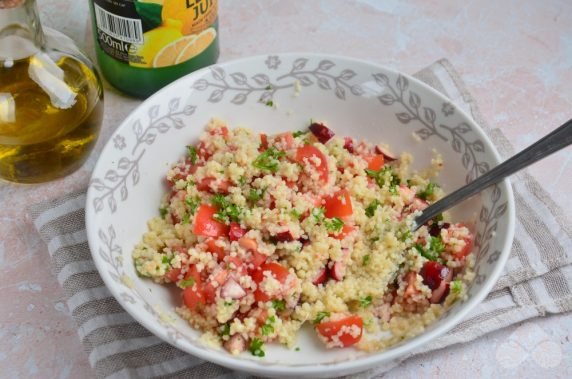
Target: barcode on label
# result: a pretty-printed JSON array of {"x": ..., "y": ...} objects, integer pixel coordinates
[{"x": 124, "y": 29}]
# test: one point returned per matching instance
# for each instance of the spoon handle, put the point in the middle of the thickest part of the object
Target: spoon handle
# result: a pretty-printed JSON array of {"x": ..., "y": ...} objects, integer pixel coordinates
[{"x": 549, "y": 144}]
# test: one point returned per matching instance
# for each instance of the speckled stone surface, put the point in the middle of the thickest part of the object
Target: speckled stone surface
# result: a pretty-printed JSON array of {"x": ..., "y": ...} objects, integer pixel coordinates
[{"x": 516, "y": 58}]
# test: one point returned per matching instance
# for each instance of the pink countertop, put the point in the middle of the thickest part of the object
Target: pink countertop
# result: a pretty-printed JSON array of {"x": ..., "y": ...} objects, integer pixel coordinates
[{"x": 515, "y": 56}]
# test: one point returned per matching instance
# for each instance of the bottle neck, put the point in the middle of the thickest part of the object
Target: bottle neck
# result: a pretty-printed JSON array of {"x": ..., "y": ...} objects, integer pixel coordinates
[{"x": 21, "y": 32}]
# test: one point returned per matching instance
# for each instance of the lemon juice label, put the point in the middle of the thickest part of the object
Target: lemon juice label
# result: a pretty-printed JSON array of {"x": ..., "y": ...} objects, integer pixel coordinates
[{"x": 155, "y": 33}]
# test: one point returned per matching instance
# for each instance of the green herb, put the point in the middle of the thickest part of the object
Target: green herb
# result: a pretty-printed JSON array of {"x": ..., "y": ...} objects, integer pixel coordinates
[
  {"x": 438, "y": 218},
  {"x": 299, "y": 133},
  {"x": 456, "y": 286},
  {"x": 393, "y": 189},
  {"x": 228, "y": 303},
  {"x": 365, "y": 301},
  {"x": 279, "y": 305},
  {"x": 256, "y": 194},
  {"x": 267, "y": 329},
  {"x": 256, "y": 347},
  {"x": 268, "y": 87},
  {"x": 405, "y": 235},
  {"x": 268, "y": 160},
  {"x": 374, "y": 239},
  {"x": 318, "y": 214},
  {"x": 383, "y": 176},
  {"x": 269, "y": 103},
  {"x": 436, "y": 244},
  {"x": 242, "y": 180},
  {"x": 163, "y": 212},
  {"x": 225, "y": 330},
  {"x": 321, "y": 316},
  {"x": 294, "y": 213},
  {"x": 428, "y": 191},
  {"x": 186, "y": 219},
  {"x": 192, "y": 152},
  {"x": 370, "y": 210},
  {"x": 427, "y": 253},
  {"x": 365, "y": 260},
  {"x": 165, "y": 260},
  {"x": 227, "y": 211},
  {"x": 334, "y": 224},
  {"x": 297, "y": 348},
  {"x": 187, "y": 283},
  {"x": 193, "y": 204}
]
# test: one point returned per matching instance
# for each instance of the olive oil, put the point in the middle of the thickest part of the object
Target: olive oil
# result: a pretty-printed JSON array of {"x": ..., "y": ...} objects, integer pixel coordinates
[{"x": 41, "y": 140}]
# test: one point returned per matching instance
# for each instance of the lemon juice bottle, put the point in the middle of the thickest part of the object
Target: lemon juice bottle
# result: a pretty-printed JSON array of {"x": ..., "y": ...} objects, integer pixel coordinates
[{"x": 142, "y": 45}]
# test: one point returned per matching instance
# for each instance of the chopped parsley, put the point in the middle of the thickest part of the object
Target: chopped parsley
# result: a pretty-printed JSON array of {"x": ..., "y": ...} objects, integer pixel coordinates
[
  {"x": 456, "y": 286},
  {"x": 299, "y": 133},
  {"x": 187, "y": 283},
  {"x": 268, "y": 87},
  {"x": 256, "y": 347},
  {"x": 438, "y": 218},
  {"x": 225, "y": 330},
  {"x": 192, "y": 152},
  {"x": 318, "y": 214},
  {"x": 365, "y": 260},
  {"x": 405, "y": 235},
  {"x": 294, "y": 213},
  {"x": 228, "y": 303},
  {"x": 320, "y": 316},
  {"x": 370, "y": 210},
  {"x": 334, "y": 224},
  {"x": 267, "y": 328},
  {"x": 433, "y": 253},
  {"x": 428, "y": 191},
  {"x": 269, "y": 103},
  {"x": 186, "y": 219},
  {"x": 383, "y": 176},
  {"x": 256, "y": 194},
  {"x": 279, "y": 305},
  {"x": 365, "y": 301},
  {"x": 165, "y": 260},
  {"x": 268, "y": 160},
  {"x": 242, "y": 180},
  {"x": 297, "y": 348},
  {"x": 193, "y": 204},
  {"x": 227, "y": 211},
  {"x": 163, "y": 212}
]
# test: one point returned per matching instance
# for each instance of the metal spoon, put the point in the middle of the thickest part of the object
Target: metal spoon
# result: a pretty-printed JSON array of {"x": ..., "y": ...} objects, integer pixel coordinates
[{"x": 558, "y": 139}]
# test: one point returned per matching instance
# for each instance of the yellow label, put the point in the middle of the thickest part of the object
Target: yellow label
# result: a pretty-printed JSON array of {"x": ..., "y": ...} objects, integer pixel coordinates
[{"x": 195, "y": 15}]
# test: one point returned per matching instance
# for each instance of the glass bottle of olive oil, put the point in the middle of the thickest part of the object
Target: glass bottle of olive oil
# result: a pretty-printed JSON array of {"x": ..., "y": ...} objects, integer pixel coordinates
[
  {"x": 143, "y": 45},
  {"x": 51, "y": 99}
]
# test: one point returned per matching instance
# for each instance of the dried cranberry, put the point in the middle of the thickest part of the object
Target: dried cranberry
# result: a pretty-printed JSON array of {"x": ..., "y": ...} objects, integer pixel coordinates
[
  {"x": 304, "y": 240},
  {"x": 433, "y": 274},
  {"x": 435, "y": 229},
  {"x": 284, "y": 237},
  {"x": 321, "y": 131},
  {"x": 235, "y": 231},
  {"x": 349, "y": 145}
]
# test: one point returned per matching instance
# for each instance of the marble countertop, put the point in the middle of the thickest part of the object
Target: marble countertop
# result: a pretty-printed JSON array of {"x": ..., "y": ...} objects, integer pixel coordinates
[{"x": 515, "y": 56}]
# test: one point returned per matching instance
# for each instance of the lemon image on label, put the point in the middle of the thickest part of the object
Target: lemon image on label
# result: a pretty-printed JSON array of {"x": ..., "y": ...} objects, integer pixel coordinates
[{"x": 154, "y": 40}]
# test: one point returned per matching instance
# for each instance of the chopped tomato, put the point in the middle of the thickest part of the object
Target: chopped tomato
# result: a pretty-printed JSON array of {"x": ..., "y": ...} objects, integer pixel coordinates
[
  {"x": 263, "y": 142},
  {"x": 235, "y": 264},
  {"x": 194, "y": 297},
  {"x": 221, "y": 131},
  {"x": 344, "y": 329},
  {"x": 278, "y": 271},
  {"x": 173, "y": 274},
  {"x": 306, "y": 153},
  {"x": 466, "y": 250},
  {"x": 257, "y": 259},
  {"x": 206, "y": 225},
  {"x": 184, "y": 169},
  {"x": 214, "y": 281},
  {"x": 346, "y": 230},
  {"x": 235, "y": 231},
  {"x": 374, "y": 162},
  {"x": 338, "y": 205},
  {"x": 286, "y": 139},
  {"x": 212, "y": 247},
  {"x": 320, "y": 277},
  {"x": 206, "y": 184},
  {"x": 203, "y": 152}
]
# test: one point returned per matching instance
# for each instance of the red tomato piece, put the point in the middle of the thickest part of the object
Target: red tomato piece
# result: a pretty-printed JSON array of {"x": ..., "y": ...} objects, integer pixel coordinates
[
  {"x": 194, "y": 297},
  {"x": 278, "y": 271},
  {"x": 347, "y": 337},
  {"x": 173, "y": 274},
  {"x": 375, "y": 162},
  {"x": 263, "y": 142},
  {"x": 192, "y": 272},
  {"x": 220, "y": 131},
  {"x": 338, "y": 205},
  {"x": 320, "y": 277},
  {"x": 307, "y": 152},
  {"x": 235, "y": 231},
  {"x": 207, "y": 185},
  {"x": 203, "y": 152},
  {"x": 212, "y": 247},
  {"x": 466, "y": 250},
  {"x": 206, "y": 225},
  {"x": 286, "y": 139}
]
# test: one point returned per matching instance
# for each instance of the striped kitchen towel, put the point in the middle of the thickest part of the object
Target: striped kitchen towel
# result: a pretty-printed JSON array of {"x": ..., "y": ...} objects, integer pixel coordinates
[{"x": 537, "y": 279}]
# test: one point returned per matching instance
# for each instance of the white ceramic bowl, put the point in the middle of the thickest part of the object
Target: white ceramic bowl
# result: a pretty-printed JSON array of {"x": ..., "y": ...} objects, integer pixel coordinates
[{"x": 355, "y": 98}]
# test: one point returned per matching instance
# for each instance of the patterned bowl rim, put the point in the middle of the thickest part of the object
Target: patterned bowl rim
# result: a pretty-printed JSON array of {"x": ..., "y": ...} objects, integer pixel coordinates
[{"x": 401, "y": 351}]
